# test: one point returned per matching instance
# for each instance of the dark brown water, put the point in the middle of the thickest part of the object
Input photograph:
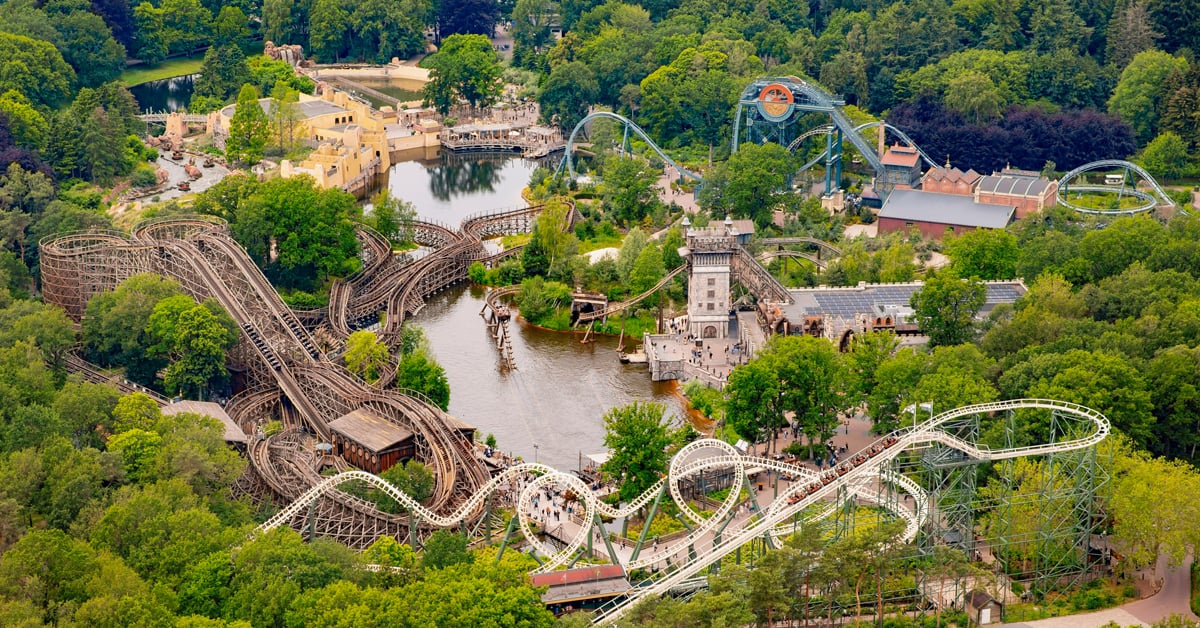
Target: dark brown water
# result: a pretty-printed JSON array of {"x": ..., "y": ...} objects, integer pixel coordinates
[{"x": 557, "y": 396}]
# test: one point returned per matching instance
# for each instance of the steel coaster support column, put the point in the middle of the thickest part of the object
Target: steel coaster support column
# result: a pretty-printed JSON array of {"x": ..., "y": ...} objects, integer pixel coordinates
[
  {"x": 312, "y": 520},
  {"x": 637, "y": 548},
  {"x": 598, "y": 525},
  {"x": 717, "y": 541},
  {"x": 829, "y": 164},
  {"x": 413, "y": 522},
  {"x": 512, "y": 527},
  {"x": 837, "y": 158},
  {"x": 737, "y": 126},
  {"x": 487, "y": 518}
]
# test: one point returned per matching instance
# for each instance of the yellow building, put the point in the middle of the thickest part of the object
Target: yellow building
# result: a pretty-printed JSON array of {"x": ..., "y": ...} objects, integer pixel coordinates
[{"x": 353, "y": 141}]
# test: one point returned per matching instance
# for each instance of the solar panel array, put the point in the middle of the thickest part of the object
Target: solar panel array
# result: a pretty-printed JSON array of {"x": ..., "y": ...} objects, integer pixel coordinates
[{"x": 847, "y": 303}]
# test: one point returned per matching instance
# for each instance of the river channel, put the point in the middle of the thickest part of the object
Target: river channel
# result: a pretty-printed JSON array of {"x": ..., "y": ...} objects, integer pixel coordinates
[{"x": 558, "y": 394}]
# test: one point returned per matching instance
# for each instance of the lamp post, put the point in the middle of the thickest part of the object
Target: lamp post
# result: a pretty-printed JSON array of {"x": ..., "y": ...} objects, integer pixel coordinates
[{"x": 535, "y": 453}]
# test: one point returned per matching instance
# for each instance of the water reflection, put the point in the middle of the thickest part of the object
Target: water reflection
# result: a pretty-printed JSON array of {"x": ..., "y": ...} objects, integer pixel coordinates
[
  {"x": 557, "y": 396},
  {"x": 170, "y": 94},
  {"x": 468, "y": 176},
  {"x": 454, "y": 186}
]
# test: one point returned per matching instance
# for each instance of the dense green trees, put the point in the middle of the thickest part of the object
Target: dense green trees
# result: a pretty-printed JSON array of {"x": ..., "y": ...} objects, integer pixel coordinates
[
  {"x": 751, "y": 184},
  {"x": 945, "y": 307},
  {"x": 795, "y": 378},
  {"x": 298, "y": 234},
  {"x": 419, "y": 371},
  {"x": 148, "y": 324},
  {"x": 638, "y": 436},
  {"x": 1139, "y": 96},
  {"x": 629, "y": 189},
  {"x": 249, "y": 128},
  {"x": 116, "y": 327},
  {"x": 222, "y": 74},
  {"x": 464, "y": 68},
  {"x": 568, "y": 91},
  {"x": 36, "y": 70},
  {"x": 365, "y": 355},
  {"x": 984, "y": 254}
]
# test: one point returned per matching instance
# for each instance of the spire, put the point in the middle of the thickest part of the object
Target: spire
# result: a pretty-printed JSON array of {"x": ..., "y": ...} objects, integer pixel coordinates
[{"x": 947, "y": 161}]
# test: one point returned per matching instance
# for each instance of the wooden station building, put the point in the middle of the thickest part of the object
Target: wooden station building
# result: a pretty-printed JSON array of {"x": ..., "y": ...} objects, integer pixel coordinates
[{"x": 370, "y": 442}]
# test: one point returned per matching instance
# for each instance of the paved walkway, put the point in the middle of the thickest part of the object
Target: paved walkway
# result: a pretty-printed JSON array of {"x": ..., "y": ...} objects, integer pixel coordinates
[{"x": 1171, "y": 599}]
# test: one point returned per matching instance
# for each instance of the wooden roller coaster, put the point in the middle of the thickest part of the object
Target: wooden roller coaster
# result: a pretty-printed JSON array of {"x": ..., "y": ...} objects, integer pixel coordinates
[{"x": 289, "y": 377}]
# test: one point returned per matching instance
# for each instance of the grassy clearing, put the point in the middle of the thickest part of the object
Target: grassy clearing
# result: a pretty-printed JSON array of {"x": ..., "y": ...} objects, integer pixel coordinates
[{"x": 167, "y": 69}]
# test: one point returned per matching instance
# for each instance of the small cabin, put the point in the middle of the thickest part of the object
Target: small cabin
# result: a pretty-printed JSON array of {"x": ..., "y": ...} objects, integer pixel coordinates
[
  {"x": 370, "y": 442},
  {"x": 982, "y": 608}
]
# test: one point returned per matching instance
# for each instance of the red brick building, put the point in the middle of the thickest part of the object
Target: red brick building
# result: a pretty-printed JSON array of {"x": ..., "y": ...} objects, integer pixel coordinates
[
  {"x": 948, "y": 180},
  {"x": 934, "y": 214},
  {"x": 1028, "y": 191}
]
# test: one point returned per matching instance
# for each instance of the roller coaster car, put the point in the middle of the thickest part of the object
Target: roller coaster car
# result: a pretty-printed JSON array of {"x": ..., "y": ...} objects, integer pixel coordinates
[
  {"x": 827, "y": 478},
  {"x": 794, "y": 499},
  {"x": 503, "y": 314},
  {"x": 814, "y": 487},
  {"x": 859, "y": 459},
  {"x": 843, "y": 469},
  {"x": 889, "y": 441},
  {"x": 874, "y": 450}
]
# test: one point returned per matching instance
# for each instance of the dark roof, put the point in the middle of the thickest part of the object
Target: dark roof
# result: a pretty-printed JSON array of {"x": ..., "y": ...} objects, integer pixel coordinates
[
  {"x": 233, "y": 432},
  {"x": 1014, "y": 185},
  {"x": 900, "y": 156},
  {"x": 582, "y": 584},
  {"x": 945, "y": 209},
  {"x": 980, "y": 598},
  {"x": 370, "y": 430},
  {"x": 863, "y": 299},
  {"x": 952, "y": 174}
]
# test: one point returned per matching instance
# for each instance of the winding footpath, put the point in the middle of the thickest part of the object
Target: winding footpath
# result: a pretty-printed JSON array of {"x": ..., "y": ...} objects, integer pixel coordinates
[{"x": 1172, "y": 599}]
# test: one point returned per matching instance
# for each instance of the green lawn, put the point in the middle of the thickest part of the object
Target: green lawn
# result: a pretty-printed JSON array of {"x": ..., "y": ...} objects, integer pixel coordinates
[{"x": 167, "y": 69}]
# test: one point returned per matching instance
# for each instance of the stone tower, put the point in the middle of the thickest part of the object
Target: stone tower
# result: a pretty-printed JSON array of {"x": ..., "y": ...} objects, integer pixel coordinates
[{"x": 709, "y": 251}]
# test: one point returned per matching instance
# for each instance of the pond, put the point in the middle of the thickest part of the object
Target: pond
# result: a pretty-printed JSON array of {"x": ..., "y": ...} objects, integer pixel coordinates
[
  {"x": 560, "y": 390},
  {"x": 454, "y": 186},
  {"x": 167, "y": 95}
]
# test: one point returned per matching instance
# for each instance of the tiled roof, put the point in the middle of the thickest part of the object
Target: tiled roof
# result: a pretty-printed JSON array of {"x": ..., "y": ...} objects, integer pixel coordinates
[
  {"x": 954, "y": 175},
  {"x": 901, "y": 156}
]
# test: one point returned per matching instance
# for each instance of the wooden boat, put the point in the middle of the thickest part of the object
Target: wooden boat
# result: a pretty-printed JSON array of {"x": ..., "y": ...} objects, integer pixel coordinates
[{"x": 185, "y": 186}]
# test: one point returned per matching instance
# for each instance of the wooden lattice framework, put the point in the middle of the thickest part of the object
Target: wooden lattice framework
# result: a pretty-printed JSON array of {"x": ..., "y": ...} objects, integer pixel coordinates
[{"x": 290, "y": 378}]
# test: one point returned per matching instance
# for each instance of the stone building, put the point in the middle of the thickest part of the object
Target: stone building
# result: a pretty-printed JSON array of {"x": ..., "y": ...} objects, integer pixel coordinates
[{"x": 709, "y": 251}]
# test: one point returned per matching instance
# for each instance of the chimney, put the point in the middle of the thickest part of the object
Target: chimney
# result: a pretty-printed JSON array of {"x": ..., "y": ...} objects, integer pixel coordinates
[{"x": 882, "y": 138}]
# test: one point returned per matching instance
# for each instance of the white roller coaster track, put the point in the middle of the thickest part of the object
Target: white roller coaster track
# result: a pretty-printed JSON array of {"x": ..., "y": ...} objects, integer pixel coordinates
[
  {"x": 861, "y": 470},
  {"x": 1149, "y": 201}
]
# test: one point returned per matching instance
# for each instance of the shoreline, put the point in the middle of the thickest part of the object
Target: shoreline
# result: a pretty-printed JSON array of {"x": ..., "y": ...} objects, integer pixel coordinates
[{"x": 698, "y": 420}]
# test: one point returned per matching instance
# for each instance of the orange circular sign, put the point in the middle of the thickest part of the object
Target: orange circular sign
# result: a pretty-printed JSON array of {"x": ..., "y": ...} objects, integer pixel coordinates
[{"x": 775, "y": 100}]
